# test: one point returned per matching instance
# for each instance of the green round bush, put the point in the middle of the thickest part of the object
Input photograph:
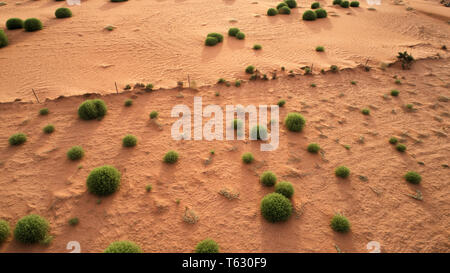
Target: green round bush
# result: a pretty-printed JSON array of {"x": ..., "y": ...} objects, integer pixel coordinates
[
  {"x": 3, "y": 39},
  {"x": 14, "y": 23},
  {"x": 258, "y": 132},
  {"x": 92, "y": 109},
  {"x": 123, "y": 247},
  {"x": 63, "y": 13},
  {"x": 216, "y": 35},
  {"x": 280, "y": 5},
  {"x": 294, "y": 122},
  {"x": 257, "y": 47},
  {"x": 313, "y": 148},
  {"x": 281, "y": 103},
  {"x": 413, "y": 177},
  {"x": 345, "y": 4},
  {"x": 129, "y": 141},
  {"x": 43, "y": 112},
  {"x": 250, "y": 69},
  {"x": 337, "y": 2},
  {"x": 128, "y": 102},
  {"x": 321, "y": 13},
  {"x": 394, "y": 92},
  {"x": 393, "y": 140},
  {"x": 31, "y": 229},
  {"x": 284, "y": 10},
  {"x": 272, "y": 12},
  {"x": 211, "y": 41},
  {"x": 171, "y": 157},
  {"x": 400, "y": 147},
  {"x": 32, "y": 24},
  {"x": 103, "y": 180},
  {"x": 75, "y": 153},
  {"x": 365, "y": 111},
  {"x": 153, "y": 114},
  {"x": 276, "y": 207},
  {"x": 268, "y": 178},
  {"x": 240, "y": 36},
  {"x": 354, "y": 4},
  {"x": 48, "y": 129},
  {"x": 309, "y": 15},
  {"x": 247, "y": 158},
  {"x": 291, "y": 3},
  {"x": 315, "y": 5},
  {"x": 233, "y": 31},
  {"x": 207, "y": 246},
  {"x": 285, "y": 188},
  {"x": 4, "y": 230},
  {"x": 342, "y": 171},
  {"x": 17, "y": 139},
  {"x": 340, "y": 223}
]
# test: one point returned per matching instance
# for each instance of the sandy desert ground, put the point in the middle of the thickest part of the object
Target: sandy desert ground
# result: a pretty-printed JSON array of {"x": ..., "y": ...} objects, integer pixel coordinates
[{"x": 163, "y": 41}]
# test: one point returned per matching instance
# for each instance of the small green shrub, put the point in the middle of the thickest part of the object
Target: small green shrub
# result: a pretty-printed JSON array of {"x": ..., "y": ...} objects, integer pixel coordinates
[
  {"x": 285, "y": 188},
  {"x": 31, "y": 229},
  {"x": 129, "y": 141},
  {"x": 345, "y": 4},
  {"x": 148, "y": 188},
  {"x": 171, "y": 157},
  {"x": 149, "y": 87},
  {"x": 409, "y": 106},
  {"x": 320, "y": 49},
  {"x": 413, "y": 177},
  {"x": 281, "y": 103},
  {"x": 276, "y": 207},
  {"x": 268, "y": 178},
  {"x": 237, "y": 83},
  {"x": 123, "y": 246},
  {"x": 337, "y": 2},
  {"x": 315, "y": 5},
  {"x": 257, "y": 47},
  {"x": 313, "y": 148},
  {"x": 393, "y": 140},
  {"x": 92, "y": 109},
  {"x": 211, "y": 41},
  {"x": 216, "y": 35},
  {"x": 17, "y": 139},
  {"x": 233, "y": 31},
  {"x": 250, "y": 69},
  {"x": 240, "y": 36},
  {"x": 4, "y": 231},
  {"x": 73, "y": 221},
  {"x": 153, "y": 114},
  {"x": 75, "y": 153},
  {"x": 14, "y": 23},
  {"x": 340, "y": 223},
  {"x": 207, "y": 246},
  {"x": 280, "y": 5},
  {"x": 365, "y": 111},
  {"x": 401, "y": 147},
  {"x": 394, "y": 93},
  {"x": 309, "y": 15},
  {"x": 3, "y": 39},
  {"x": 321, "y": 13},
  {"x": 63, "y": 13},
  {"x": 294, "y": 122},
  {"x": 291, "y": 3},
  {"x": 221, "y": 81},
  {"x": 103, "y": 181},
  {"x": 128, "y": 102},
  {"x": 247, "y": 158},
  {"x": 32, "y": 24},
  {"x": 43, "y": 112},
  {"x": 354, "y": 4},
  {"x": 258, "y": 132},
  {"x": 342, "y": 172},
  {"x": 397, "y": 81},
  {"x": 272, "y": 12},
  {"x": 48, "y": 129},
  {"x": 284, "y": 10},
  {"x": 334, "y": 68}
]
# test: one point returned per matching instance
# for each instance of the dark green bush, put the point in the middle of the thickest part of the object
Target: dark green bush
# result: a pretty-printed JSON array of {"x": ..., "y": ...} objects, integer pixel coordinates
[
  {"x": 257, "y": 47},
  {"x": 211, "y": 41},
  {"x": 309, "y": 15},
  {"x": 285, "y": 188},
  {"x": 291, "y": 3},
  {"x": 103, "y": 180},
  {"x": 276, "y": 207},
  {"x": 400, "y": 147},
  {"x": 237, "y": 83},
  {"x": 128, "y": 102},
  {"x": 75, "y": 153},
  {"x": 342, "y": 171},
  {"x": 250, "y": 69},
  {"x": 233, "y": 31},
  {"x": 320, "y": 49},
  {"x": 4, "y": 231},
  {"x": 3, "y": 39},
  {"x": 315, "y": 5},
  {"x": 207, "y": 246},
  {"x": 247, "y": 158},
  {"x": 272, "y": 12},
  {"x": 268, "y": 178},
  {"x": 63, "y": 13},
  {"x": 365, "y": 111},
  {"x": 393, "y": 140},
  {"x": 48, "y": 129},
  {"x": 216, "y": 35},
  {"x": 294, "y": 122},
  {"x": 284, "y": 10},
  {"x": 340, "y": 223},
  {"x": 17, "y": 139},
  {"x": 123, "y": 246},
  {"x": 354, "y": 4},
  {"x": 280, "y": 5},
  {"x": 334, "y": 68},
  {"x": 281, "y": 103},
  {"x": 171, "y": 157},
  {"x": 73, "y": 221},
  {"x": 413, "y": 177},
  {"x": 92, "y": 109},
  {"x": 129, "y": 141},
  {"x": 394, "y": 92},
  {"x": 32, "y": 24},
  {"x": 153, "y": 114},
  {"x": 337, "y": 2},
  {"x": 313, "y": 148},
  {"x": 345, "y": 4},
  {"x": 321, "y": 13},
  {"x": 258, "y": 132},
  {"x": 149, "y": 87},
  {"x": 31, "y": 229},
  {"x": 43, "y": 112},
  {"x": 240, "y": 36},
  {"x": 14, "y": 23}
]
